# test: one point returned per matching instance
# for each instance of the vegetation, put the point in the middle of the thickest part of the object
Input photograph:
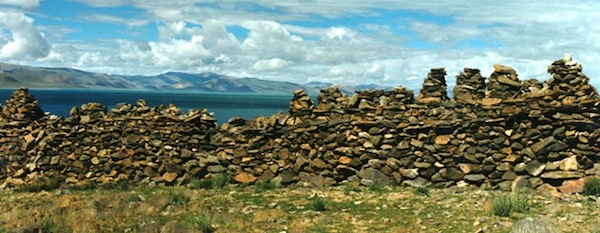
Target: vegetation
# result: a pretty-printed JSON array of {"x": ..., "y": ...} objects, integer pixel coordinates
[
  {"x": 504, "y": 205},
  {"x": 318, "y": 204},
  {"x": 217, "y": 181},
  {"x": 264, "y": 206},
  {"x": 422, "y": 191},
  {"x": 592, "y": 186},
  {"x": 263, "y": 186},
  {"x": 39, "y": 185},
  {"x": 203, "y": 222}
]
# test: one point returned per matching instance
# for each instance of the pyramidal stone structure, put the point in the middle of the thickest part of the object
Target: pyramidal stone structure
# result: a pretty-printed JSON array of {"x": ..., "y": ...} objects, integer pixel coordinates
[{"x": 503, "y": 134}]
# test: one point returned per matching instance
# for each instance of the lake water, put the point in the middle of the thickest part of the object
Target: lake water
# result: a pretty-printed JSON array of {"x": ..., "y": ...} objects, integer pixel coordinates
[{"x": 223, "y": 105}]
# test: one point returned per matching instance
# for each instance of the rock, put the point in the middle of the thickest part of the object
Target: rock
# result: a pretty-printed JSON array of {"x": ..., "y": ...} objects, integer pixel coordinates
[
  {"x": 442, "y": 139},
  {"x": 548, "y": 190},
  {"x": 376, "y": 176},
  {"x": 245, "y": 178},
  {"x": 175, "y": 227},
  {"x": 474, "y": 178},
  {"x": 534, "y": 225},
  {"x": 562, "y": 175},
  {"x": 534, "y": 168},
  {"x": 572, "y": 186},
  {"x": 169, "y": 176},
  {"x": 569, "y": 164}
]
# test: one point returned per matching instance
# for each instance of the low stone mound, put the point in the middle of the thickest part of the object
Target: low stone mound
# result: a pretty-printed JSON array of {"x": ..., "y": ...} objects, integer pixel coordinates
[
  {"x": 21, "y": 107},
  {"x": 470, "y": 86},
  {"x": 434, "y": 87}
]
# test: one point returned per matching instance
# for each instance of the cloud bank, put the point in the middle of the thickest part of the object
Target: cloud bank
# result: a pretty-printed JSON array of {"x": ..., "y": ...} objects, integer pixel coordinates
[{"x": 349, "y": 42}]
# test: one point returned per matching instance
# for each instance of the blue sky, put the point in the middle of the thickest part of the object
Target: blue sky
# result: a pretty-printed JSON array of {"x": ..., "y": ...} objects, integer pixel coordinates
[{"x": 344, "y": 42}]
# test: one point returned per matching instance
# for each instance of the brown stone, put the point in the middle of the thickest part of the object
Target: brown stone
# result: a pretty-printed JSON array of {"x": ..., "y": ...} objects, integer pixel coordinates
[
  {"x": 572, "y": 186},
  {"x": 569, "y": 164},
  {"x": 169, "y": 176},
  {"x": 245, "y": 178},
  {"x": 442, "y": 139}
]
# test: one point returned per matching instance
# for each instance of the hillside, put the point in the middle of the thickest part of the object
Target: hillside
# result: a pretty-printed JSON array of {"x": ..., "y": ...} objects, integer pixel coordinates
[{"x": 39, "y": 77}]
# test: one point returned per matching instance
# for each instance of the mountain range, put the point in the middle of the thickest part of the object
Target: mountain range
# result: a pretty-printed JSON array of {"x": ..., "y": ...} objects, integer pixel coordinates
[{"x": 14, "y": 76}]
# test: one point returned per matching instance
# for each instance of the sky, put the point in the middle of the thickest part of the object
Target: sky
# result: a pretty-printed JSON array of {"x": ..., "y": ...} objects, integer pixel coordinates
[{"x": 350, "y": 42}]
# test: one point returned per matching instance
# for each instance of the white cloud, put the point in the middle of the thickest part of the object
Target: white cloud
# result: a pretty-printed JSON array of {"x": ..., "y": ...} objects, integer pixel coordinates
[
  {"x": 25, "y": 42},
  {"x": 26, "y": 4},
  {"x": 271, "y": 64},
  {"x": 286, "y": 40}
]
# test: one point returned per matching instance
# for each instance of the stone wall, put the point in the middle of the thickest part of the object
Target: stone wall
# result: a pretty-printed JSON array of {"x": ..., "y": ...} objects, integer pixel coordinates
[{"x": 503, "y": 134}]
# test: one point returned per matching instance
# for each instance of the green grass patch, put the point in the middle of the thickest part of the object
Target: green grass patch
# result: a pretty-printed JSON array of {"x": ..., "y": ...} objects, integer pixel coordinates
[
  {"x": 39, "y": 185},
  {"x": 178, "y": 198},
  {"x": 422, "y": 191},
  {"x": 504, "y": 206},
  {"x": 217, "y": 181},
  {"x": 378, "y": 188},
  {"x": 203, "y": 223},
  {"x": 263, "y": 186},
  {"x": 348, "y": 187},
  {"x": 592, "y": 186},
  {"x": 318, "y": 204}
]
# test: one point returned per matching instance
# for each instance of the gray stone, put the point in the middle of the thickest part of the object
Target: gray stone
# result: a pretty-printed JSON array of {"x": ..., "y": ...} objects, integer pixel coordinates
[
  {"x": 535, "y": 168},
  {"x": 534, "y": 225},
  {"x": 474, "y": 178},
  {"x": 216, "y": 169},
  {"x": 375, "y": 175}
]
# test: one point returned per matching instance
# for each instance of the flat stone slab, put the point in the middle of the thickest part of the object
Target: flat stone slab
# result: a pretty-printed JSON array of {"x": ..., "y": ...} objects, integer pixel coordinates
[{"x": 561, "y": 175}]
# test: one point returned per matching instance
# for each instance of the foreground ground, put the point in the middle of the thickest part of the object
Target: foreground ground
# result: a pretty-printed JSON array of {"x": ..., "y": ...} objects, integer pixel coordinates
[{"x": 264, "y": 208}]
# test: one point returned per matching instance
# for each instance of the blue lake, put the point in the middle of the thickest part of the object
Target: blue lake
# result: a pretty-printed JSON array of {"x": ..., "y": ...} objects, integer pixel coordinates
[{"x": 223, "y": 105}]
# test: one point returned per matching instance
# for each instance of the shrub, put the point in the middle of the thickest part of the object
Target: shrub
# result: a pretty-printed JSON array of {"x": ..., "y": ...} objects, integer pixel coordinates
[
  {"x": 39, "y": 185},
  {"x": 318, "y": 204},
  {"x": 592, "y": 186},
  {"x": 262, "y": 186},
  {"x": 203, "y": 222},
  {"x": 422, "y": 191},
  {"x": 217, "y": 181},
  {"x": 180, "y": 198},
  {"x": 505, "y": 205},
  {"x": 220, "y": 180}
]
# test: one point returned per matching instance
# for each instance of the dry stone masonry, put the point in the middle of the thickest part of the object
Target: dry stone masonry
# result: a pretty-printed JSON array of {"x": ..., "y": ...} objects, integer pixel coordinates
[{"x": 504, "y": 134}]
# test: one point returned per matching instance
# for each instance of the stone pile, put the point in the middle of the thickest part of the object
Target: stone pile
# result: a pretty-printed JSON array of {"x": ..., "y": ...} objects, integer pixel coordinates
[
  {"x": 135, "y": 143},
  {"x": 373, "y": 137},
  {"x": 504, "y": 83},
  {"x": 331, "y": 100},
  {"x": 21, "y": 107},
  {"x": 470, "y": 86},
  {"x": 434, "y": 87},
  {"x": 301, "y": 105},
  {"x": 569, "y": 81}
]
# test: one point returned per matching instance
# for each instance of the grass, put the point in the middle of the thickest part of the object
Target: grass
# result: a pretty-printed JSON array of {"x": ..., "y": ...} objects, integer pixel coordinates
[
  {"x": 203, "y": 222},
  {"x": 592, "y": 186},
  {"x": 39, "y": 185},
  {"x": 422, "y": 191},
  {"x": 318, "y": 204},
  {"x": 263, "y": 186},
  {"x": 505, "y": 205},
  {"x": 217, "y": 181},
  {"x": 178, "y": 198},
  {"x": 54, "y": 225},
  {"x": 348, "y": 187}
]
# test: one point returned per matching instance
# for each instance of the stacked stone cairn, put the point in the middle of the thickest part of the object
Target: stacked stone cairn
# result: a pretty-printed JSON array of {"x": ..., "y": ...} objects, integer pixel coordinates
[
  {"x": 504, "y": 83},
  {"x": 568, "y": 80},
  {"x": 331, "y": 100},
  {"x": 377, "y": 137},
  {"x": 434, "y": 87},
  {"x": 301, "y": 105},
  {"x": 21, "y": 108},
  {"x": 470, "y": 86}
]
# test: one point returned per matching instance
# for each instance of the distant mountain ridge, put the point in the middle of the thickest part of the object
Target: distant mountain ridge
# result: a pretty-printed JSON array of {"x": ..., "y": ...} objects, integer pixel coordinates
[{"x": 13, "y": 76}]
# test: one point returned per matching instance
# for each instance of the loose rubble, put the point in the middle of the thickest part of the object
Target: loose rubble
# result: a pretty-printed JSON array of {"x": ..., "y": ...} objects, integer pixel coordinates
[{"x": 505, "y": 134}]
